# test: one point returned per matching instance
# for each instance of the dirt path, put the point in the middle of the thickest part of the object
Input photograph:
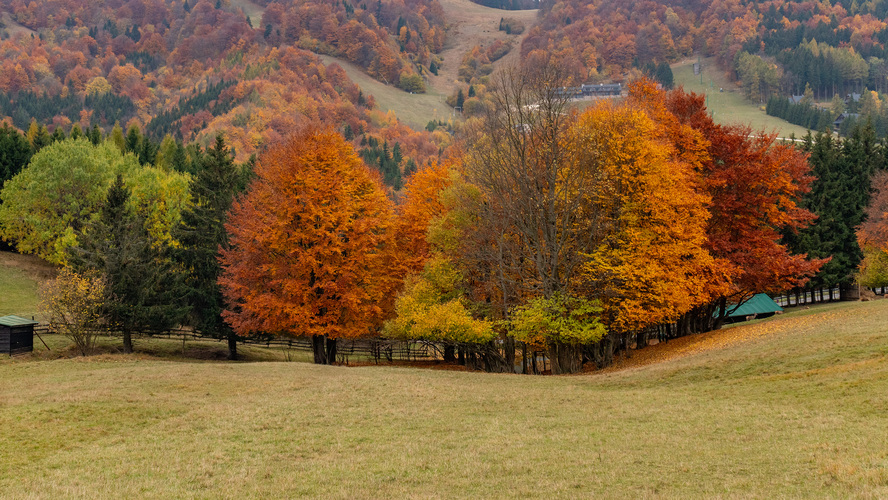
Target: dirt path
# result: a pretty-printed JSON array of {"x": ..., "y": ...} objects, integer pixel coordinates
[{"x": 470, "y": 24}]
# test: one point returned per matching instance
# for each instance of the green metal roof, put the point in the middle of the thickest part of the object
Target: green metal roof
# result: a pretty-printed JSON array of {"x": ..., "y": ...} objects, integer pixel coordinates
[
  {"x": 758, "y": 304},
  {"x": 15, "y": 321}
]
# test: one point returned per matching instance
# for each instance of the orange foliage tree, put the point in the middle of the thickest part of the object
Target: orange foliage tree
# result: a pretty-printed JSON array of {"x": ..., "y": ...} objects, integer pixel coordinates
[{"x": 310, "y": 246}]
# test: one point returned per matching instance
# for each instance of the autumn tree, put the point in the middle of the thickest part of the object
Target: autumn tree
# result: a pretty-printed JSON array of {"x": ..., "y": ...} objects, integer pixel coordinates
[
  {"x": 60, "y": 191},
  {"x": 531, "y": 195},
  {"x": 872, "y": 235},
  {"x": 56, "y": 195},
  {"x": 651, "y": 266},
  {"x": 310, "y": 246},
  {"x": 74, "y": 304},
  {"x": 755, "y": 185}
]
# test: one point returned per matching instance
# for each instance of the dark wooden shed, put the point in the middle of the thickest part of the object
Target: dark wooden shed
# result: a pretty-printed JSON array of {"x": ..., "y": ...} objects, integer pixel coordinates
[{"x": 16, "y": 335}]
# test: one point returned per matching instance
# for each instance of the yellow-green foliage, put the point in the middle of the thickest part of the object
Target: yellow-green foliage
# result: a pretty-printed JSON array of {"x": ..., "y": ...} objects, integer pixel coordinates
[
  {"x": 63, "y": 187},
  {"x": 874, "y": 268},
  {"x": 561, "y": 319},
  {"x": 73, "y": 304},
  {"x": 432, "y": 308}
]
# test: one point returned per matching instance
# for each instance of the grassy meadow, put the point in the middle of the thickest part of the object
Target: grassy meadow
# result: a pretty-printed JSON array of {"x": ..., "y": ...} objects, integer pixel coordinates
[
  {"x": 19, "y": 278},
  {"x": 729, "y": 107},
  {"x": 797, "y": 407}
]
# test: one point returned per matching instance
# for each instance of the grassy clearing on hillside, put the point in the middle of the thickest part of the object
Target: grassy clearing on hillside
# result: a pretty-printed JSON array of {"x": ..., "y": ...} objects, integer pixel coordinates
[
  {"x": 415, "y": 110},
  {"x": 470, "y": 24},
  {"x": 20, "y": 276},
  {"x": 799, "y": 412},
  {"x": 729, "y": 107},
  {"x": 251, "y": 10}
]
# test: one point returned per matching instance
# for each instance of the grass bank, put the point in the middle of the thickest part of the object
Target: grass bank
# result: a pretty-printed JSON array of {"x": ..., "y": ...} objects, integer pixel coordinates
[
  {"x": 800, "y": 410},
  {"x": 726, "y": 102}
]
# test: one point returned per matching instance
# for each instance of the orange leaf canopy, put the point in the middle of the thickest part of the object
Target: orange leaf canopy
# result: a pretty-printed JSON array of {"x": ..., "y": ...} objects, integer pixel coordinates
[{"x": 309, "y": 243}]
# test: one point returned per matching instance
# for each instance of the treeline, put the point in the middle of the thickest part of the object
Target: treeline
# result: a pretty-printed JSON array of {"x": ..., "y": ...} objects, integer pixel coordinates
[
  {"x": 577, "y": 235},
  {"x": 804, "y": 114},
  {"x": 209, "y": 99},
  {"x": 103, "y": 109}
]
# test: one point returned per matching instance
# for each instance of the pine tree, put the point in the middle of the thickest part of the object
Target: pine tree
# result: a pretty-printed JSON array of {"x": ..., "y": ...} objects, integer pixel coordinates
[
  {"x": 133, "y": 142},
  {"x": 95, "y": 135},
  {"x": 15, "y": 152},
  {"x": 141, "y": 280},
  {"x": 202, "y": 234}
]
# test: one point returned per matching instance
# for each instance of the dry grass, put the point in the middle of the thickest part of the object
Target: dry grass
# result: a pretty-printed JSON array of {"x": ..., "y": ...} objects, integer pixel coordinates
[
  {"x": 730, "y": 107},
  {"x": 415, "y": 110},
  {"x": 252, "y": 10},
  {"x": 470, "y": 24},
  {"x": 796, "y": 407}
]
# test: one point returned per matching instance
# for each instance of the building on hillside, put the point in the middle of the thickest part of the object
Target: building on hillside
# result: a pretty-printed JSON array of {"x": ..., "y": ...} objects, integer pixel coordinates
[
  {"x": 602, "y": 90},
  {"x": 841, "y": 119},
  {"x": 796, "y": 99}
]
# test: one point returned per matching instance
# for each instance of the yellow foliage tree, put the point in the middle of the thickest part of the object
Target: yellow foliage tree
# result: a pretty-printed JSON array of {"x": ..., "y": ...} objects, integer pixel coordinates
[
  {"x": 73, "y": 303},
  {"x": 652, "y": 266}
]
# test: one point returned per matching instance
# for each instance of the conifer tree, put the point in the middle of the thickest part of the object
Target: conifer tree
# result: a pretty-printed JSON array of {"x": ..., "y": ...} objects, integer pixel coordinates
[
  {"x": 139, "y": 275},
  {"x": 202, "y": 234}
]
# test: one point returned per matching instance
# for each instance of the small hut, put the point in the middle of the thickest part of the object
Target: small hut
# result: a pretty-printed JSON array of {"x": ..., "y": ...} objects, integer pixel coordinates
[
  {"x": 16, "y": 335},
  {"x": 759, "y": 306}
]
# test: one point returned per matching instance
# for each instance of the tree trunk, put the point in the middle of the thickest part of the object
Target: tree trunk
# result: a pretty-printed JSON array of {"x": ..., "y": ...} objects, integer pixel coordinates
[
  {"x": 641, "y": 338},
  {"x": 494, "y": 361},
  {"x": 449, "y": 353},
  {"x": 461, "y": 356},
  {"x": 331, "y": 351},
  {"x": 565, "y": 358},
  {"x": 524, "y": 358},
  {"x": 320, "y": 353},
  {"x": 722, "y": 313},
  {"x": 127, "y": 341},
  {"x": 232, "y": 346},
  {"x": 509, "y": 352}
]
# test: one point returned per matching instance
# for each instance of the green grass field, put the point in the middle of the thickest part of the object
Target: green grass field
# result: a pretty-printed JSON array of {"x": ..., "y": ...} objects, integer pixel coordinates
[
  {"x": 729, "y": 107},
  {"x": 19, "y": 277},
  {"x": 799, "y": 409}
]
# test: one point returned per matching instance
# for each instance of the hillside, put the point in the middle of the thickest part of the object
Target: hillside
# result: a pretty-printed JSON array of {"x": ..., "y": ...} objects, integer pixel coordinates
[
  {"x": 725, "y": 100},
  {"x": 798, "y": 410}
]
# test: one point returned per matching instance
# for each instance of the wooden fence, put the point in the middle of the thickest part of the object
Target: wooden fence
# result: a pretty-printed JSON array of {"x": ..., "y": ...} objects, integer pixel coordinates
[{"x": 377, "y": 350}]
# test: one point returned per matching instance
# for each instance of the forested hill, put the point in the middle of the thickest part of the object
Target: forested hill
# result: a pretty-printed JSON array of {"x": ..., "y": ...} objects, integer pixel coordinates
[
  {"x": 835, "y": 47},
  {"x": 192, "y": 68}
]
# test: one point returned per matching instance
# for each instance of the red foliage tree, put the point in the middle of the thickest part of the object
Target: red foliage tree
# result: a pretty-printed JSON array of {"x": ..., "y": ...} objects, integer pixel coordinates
[{"x": 754, "y": 184}]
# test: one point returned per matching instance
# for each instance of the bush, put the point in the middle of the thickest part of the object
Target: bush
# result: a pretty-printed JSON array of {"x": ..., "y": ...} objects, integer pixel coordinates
[
  {"x": 74, "y": 303},
  {"x": 412, "y": 83}
]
